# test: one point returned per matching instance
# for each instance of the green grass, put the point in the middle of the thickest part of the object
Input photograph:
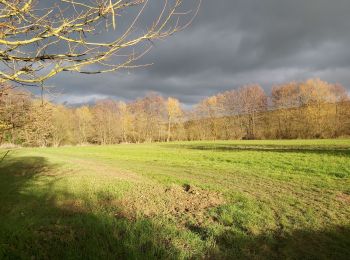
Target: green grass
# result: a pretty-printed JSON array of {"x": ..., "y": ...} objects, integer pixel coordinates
[{"x": 237, "y": 199}]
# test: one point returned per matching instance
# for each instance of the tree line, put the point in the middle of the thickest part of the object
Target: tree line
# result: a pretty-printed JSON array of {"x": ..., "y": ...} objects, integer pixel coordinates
[{"x": 308, "y": 109}]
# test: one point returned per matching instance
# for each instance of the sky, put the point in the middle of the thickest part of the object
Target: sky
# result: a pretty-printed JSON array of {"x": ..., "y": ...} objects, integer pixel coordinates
[{"x": 231, "y": 43}]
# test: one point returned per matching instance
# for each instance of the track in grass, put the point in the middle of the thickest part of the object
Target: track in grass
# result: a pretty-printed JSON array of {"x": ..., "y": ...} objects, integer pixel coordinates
[{"x": 239, "y": 199}]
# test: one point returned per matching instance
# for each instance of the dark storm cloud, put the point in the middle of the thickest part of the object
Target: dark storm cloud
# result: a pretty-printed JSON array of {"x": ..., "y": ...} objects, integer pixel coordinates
[{"x": 231, "y": 43}]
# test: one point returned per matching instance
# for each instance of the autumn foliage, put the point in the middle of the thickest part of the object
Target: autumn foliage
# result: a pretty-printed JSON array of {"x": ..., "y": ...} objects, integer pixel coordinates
[{"x": 310, "y": 109}]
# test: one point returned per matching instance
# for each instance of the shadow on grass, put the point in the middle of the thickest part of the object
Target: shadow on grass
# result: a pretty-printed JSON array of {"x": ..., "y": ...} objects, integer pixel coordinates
[
  {"x": 267, "y": 148},
  {"x": 33, "y": 226},
  {"x": 333, "y": 243}
]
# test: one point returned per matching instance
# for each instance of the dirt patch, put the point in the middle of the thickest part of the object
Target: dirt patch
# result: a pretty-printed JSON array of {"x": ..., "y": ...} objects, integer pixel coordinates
[
  {"x": 344, "y": 197},
  {"x": 56, "y": 232},
  {"x": 181, "y": 203},
  {"x": 72, "y": 206}
]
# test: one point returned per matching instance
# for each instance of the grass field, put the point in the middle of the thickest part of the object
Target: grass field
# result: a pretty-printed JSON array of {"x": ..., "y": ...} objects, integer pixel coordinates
[{"x": 239, "y": 199}]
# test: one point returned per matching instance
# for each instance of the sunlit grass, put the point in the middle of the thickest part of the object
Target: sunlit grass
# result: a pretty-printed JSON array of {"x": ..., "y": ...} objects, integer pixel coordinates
[{"x": 250, "y": 199}]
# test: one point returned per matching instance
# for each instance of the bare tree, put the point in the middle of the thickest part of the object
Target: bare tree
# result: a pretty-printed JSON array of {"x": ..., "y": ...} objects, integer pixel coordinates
[
  {"x": 14, "y": 105},
  {"x": 83, "y": 118},
  {"x": 309, "y": 109},
  {"x": 285, "y": 98},
  {"x": 252, "y": 101},
  {"x": 39, "y": 40},
  {"x": 174, "y": 112}
]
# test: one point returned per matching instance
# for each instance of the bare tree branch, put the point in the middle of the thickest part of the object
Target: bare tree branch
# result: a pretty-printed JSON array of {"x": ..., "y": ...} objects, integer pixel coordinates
[{"x": 36, "y": 43}]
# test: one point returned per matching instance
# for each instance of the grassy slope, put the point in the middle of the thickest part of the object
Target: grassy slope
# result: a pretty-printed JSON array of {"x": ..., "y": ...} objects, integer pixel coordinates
[{"x": 273, "y": 199}]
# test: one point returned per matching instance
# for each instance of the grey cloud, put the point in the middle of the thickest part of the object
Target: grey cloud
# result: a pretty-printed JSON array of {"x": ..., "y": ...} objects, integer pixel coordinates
[{"x": 232, "y": 43}]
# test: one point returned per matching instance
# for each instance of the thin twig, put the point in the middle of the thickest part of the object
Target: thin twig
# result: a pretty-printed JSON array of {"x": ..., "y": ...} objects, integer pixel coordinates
[{"x": 3, "y": 158}]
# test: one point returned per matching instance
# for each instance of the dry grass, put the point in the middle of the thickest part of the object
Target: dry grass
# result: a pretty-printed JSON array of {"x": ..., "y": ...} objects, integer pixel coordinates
[{"x": 182, "y": 204}]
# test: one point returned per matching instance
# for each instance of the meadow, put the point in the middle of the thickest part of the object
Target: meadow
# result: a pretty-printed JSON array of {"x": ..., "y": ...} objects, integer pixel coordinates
[{"x": 179, "y": 200}]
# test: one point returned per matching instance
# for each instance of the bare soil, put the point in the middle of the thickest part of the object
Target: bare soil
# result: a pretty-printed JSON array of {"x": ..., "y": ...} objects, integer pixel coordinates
[{"x": 180, "y": 203}]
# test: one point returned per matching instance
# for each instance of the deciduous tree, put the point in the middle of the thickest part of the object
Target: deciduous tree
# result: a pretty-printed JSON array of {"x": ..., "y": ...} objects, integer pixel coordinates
[
  {"x": 174, "y": 113},
  {"x": 39, "y": 39}
]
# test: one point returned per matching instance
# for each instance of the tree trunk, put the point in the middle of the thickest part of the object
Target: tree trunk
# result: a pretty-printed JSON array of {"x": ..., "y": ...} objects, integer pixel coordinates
[{"x": 169, "y": 130}]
